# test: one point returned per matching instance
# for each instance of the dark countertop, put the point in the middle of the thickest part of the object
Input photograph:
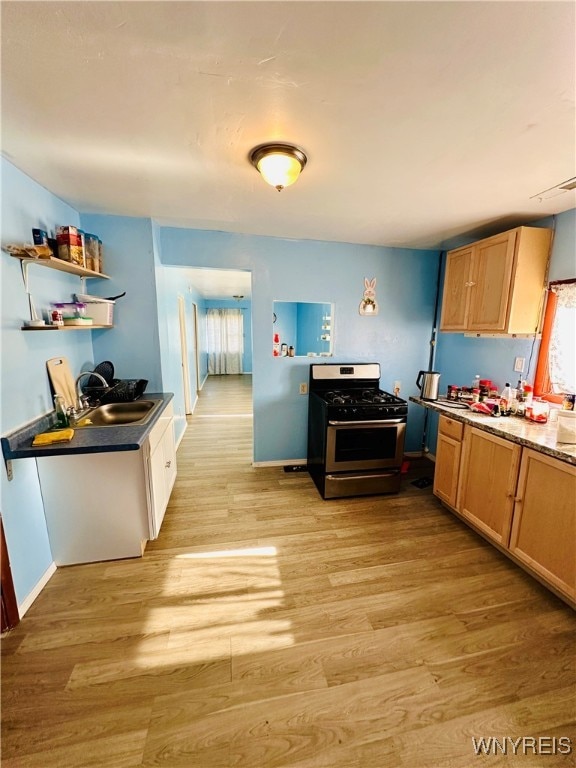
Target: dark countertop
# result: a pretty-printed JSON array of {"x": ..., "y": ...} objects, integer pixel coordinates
[
  {"x": 18, "y": 444},
  {"x": 539, "y": 437}
]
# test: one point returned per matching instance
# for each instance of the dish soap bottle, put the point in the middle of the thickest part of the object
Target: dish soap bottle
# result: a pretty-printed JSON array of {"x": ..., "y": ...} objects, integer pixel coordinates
[{"x": 60, "y": 408}]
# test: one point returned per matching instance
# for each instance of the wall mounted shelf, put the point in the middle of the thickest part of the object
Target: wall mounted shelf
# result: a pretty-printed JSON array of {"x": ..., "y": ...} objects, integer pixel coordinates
[
  {"x": 64, "y": 327},
  {"x": 61, "y": 266}
]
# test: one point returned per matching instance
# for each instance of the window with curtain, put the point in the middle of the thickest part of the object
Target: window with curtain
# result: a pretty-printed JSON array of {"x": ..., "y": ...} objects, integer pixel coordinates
[
  {"x": 556, "y": 369},
  {"x": 225, "y": 342}
]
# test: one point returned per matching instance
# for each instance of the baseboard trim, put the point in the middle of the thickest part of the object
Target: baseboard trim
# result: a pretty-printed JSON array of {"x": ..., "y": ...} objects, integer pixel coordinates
[
  {"x": 282, "y": 462},
  {"x": 279, "y": 463},
  {"x": 29, "y": 599}
]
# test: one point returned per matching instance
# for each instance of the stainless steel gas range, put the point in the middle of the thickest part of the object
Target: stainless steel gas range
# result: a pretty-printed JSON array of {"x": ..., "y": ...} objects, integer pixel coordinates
[{"x": 355, "y": 431}]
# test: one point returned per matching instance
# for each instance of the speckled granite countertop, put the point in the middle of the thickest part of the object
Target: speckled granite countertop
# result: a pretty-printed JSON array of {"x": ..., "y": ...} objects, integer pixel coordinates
[
  {"x": 539, "y": 437},
  {"x": 18, "y": 444}
]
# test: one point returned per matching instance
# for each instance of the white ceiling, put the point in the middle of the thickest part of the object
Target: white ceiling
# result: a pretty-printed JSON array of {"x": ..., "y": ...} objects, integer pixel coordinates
[{"x": 421, "y": 120}]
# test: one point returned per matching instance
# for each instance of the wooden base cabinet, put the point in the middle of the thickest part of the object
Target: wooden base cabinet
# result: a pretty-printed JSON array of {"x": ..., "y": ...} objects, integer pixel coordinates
[
  {"x": 488, "y": 483},
  {"x": 447, "y": 469},
  {"x": 544, "y": 526}
]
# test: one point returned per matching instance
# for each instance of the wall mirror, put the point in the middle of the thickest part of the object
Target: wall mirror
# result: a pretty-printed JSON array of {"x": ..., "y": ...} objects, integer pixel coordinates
[{"x": 305, "y": 326}]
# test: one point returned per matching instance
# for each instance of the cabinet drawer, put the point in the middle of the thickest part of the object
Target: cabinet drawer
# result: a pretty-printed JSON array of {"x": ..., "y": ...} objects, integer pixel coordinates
[
  {"x": 159, "y": 428},
  {"x": 451, "y": 428}
]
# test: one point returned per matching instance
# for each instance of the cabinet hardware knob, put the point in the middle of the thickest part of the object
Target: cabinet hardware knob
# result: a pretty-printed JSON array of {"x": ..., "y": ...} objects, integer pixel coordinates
[{"x": 167, "y": 465}]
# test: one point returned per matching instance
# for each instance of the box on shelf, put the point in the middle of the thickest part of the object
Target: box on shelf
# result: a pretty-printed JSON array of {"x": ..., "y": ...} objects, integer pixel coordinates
[
  {"x": 70, "y": 245},
  {"x": 100, "y": 310}
]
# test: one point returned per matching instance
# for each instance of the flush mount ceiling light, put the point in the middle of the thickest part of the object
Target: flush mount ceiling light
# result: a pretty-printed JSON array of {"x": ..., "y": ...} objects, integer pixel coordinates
[{"x": 279, "y": 164}]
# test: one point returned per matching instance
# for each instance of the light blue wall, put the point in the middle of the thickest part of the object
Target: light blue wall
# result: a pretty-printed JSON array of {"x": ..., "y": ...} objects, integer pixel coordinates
[
  {"x": 311, "y": 271},
  {"x": 310, "y": 321},
  {"x": 459, "y": 358},
  {"x": 24, "y": 387},
  {"x": 246, "y": 307},
  {"x": 133, "y": 345}
]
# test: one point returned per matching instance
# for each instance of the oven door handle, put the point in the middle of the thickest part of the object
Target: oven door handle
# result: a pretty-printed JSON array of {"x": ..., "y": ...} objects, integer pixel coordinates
[{"x": 365, "y": 423}]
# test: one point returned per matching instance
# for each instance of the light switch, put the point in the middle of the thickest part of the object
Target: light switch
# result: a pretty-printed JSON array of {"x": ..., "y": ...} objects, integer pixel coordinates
[{"x": 519, "y": 364}]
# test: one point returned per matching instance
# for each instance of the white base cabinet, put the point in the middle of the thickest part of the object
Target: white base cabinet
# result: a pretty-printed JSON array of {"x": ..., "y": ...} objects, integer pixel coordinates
[
  {"x": 160, "y": 468},
  {"x": 105, "y": 506}
]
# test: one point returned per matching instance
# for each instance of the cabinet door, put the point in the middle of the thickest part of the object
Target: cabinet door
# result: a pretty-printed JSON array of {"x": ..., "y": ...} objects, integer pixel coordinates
[
  {"x": 156, "y": 473},
  {"x": 161, "y": 474},
  {"x": 491, "y": 278},
  {"x": 169, "y": 454},
  {"x": 455, "y": 297},
  {"x": 544, "y": 528},
  {"x": 488, "y": 483},
  {"x": 446, "y": 469}
]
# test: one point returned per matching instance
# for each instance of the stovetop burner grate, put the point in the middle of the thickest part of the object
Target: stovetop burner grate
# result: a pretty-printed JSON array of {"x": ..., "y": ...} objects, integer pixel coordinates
[{"x": 360, "y": 397}]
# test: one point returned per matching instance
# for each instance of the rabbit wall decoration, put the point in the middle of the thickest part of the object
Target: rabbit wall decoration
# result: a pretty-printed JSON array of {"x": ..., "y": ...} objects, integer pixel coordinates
[{"x": 369, "y": 305}]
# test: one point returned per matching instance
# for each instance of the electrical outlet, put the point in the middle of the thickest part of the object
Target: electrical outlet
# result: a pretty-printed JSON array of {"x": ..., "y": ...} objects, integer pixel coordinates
[
  {"x": 303, "y": 388},
  {"x": 397, "y": 388},
  {"x": 519, "y": 364}
]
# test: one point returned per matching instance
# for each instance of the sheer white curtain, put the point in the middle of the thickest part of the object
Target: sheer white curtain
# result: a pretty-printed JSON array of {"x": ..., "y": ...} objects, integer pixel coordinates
[
  {"x": 562, "y": 360},
  {"x": 225, "y": 329}
]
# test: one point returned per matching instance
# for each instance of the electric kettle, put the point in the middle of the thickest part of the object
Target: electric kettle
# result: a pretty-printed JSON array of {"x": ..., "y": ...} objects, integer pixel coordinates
[{"x": 428, "y": 383}]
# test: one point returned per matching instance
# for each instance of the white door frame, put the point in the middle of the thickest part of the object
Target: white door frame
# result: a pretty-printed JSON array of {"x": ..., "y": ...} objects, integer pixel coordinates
[
  {"x": 195, "y": 338},
  {"x": 184, "y": 354}
]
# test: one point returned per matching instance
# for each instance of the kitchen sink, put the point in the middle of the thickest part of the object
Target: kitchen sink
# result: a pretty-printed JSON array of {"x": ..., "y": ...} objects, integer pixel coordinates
[{"x": 120, "y": 414}]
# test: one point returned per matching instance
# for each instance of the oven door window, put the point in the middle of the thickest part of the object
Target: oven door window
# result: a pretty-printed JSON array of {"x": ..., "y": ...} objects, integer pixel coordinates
[{"x": 364, "y": 446}]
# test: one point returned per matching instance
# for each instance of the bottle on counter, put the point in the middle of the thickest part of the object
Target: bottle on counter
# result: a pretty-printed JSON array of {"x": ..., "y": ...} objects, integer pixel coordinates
[
  {"x": 528, "y": 397},
  {"x": 290, "y": 351},
  {"x": 476, "y": 382},
  {"x": 506, "y": 400},
  {"x": 60, "y": 408},
  {"x": 484, "y": 389}
]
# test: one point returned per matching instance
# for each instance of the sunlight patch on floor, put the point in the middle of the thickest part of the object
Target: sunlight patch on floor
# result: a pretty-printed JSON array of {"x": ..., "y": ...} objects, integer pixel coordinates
[
  {"x": 267, "y": 551},
  {"x": 216, "y": 600}
]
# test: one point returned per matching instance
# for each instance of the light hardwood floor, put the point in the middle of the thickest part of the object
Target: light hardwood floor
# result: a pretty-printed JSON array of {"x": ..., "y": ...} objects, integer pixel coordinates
[{"x": 269, "y": 628}]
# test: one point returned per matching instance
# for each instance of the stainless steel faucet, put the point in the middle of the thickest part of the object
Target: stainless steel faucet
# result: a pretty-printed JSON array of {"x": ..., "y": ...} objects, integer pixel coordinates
[{"x": 81, "y": 399}]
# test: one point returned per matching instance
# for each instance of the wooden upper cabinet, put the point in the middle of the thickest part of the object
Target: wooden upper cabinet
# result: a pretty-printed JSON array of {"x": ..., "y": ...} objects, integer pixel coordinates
[
  {"x": 497, "y": 285},
  {"x": 457, "y": 290}
]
